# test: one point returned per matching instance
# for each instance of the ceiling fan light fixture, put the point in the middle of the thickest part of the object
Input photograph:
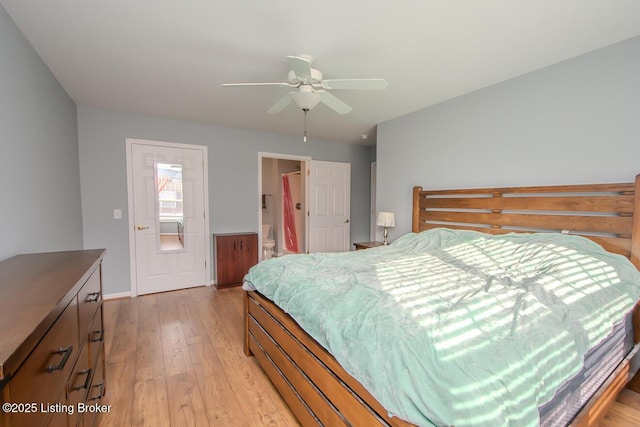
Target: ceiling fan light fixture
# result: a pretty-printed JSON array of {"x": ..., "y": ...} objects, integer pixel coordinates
[
  {"x": 305, "y": 100},
  {"x": 310, "y": 88}
]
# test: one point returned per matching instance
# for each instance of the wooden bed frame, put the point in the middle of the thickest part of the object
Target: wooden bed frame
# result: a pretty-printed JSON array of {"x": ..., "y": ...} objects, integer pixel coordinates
[{"x": 316, "y": 387}]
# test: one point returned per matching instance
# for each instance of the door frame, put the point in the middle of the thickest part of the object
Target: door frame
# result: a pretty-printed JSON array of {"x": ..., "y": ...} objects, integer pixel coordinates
[
  {"x": 304, "y": 161},
  {"x": 205, "y": 185},
  {"x": 373, "y": 228}
]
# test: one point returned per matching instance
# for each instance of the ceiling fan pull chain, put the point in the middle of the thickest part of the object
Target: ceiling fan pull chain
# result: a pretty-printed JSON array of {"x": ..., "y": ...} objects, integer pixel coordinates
[{"x": 305, "y": 124}]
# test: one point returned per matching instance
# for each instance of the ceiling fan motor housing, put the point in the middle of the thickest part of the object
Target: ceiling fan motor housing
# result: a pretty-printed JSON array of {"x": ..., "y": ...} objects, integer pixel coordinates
[{"x": 316, "y": 78}]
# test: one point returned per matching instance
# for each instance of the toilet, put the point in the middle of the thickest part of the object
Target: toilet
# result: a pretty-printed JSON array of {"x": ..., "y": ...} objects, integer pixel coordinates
[{"x": 267, "y": 243}]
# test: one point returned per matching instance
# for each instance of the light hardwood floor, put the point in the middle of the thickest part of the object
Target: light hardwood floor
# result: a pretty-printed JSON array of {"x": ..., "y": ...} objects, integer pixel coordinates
[{"x": 175, "y": 359}]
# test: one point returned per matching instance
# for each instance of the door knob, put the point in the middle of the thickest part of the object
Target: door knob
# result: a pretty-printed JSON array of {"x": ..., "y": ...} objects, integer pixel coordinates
[
  {"x": 141, "y": 227},
  {"x": 346, "y": 221}
]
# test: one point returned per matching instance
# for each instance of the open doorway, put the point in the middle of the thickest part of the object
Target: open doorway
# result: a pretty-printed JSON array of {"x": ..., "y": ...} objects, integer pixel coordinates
[{"x": 283, "y": 202}]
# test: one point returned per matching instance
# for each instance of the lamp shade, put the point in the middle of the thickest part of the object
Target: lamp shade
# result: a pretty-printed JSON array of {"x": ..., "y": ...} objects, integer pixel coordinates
[{"x": 386, "y": 219}]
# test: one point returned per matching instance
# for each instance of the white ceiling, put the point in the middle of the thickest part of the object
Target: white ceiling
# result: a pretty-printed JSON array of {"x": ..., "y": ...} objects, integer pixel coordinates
[{"x": 167, "y": 58}]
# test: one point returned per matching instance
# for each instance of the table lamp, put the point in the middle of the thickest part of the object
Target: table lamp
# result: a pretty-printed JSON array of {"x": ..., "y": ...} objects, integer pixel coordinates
[{"x": 386, "y": 219}]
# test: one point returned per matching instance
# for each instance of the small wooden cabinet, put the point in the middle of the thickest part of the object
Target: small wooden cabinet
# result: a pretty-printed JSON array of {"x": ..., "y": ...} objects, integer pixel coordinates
[
  {"x": 235, "y": 254},
  {"x": 51, "y": 352}
]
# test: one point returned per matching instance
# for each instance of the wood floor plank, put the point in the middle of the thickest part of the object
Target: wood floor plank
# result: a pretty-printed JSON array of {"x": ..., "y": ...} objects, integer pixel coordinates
[
  {"x": 232, "y": 311},
  {"x": 125, "y": 331},
  {"x": 186, "y": 406},
  {"x": 225, "y": 334},
  {"x": 192, "y": 384},
  {"x": 203, "y": 357},
  {"x": 121, "y": 331},
  {"x": 630, "y": 398},
  {"x": 110, "y": 315},
  {"x": 119, "y": 394},
  {"x": 634, "y": 384},
  {"x": 150, "y": 350},
  {"x": 621, "y": 416},
  {"x": 174, "y": 344},
  {"x": 192, "y": 325},
  {"x": 150, "y": 403},
  {"x": 220, "y": 402}
]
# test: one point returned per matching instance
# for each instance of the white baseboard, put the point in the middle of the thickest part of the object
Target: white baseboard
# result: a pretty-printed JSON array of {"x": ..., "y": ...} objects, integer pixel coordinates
[
  {"x": 116, "y": 295},
  {"x": 119, "y": 295}
]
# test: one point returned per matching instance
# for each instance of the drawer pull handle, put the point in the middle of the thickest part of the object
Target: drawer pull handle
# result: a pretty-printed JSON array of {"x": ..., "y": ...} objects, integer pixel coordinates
[
  {"x": 87, "y": 379},
  {"x": 99, "y": 396},
  {"x": 97, "y": 336},
  {"x": 66, "y": 352},
  {"x": 92, "y": 297}
]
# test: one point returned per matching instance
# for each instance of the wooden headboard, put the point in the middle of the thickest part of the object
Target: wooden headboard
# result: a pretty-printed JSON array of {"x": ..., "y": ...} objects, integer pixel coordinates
[
  {"x": 608, "y": 214},
  {"x": 601, "y": 212}
]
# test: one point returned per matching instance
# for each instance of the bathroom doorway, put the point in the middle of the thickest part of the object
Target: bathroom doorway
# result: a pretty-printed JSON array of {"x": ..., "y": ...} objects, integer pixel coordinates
[{"x": 283, "y": 201}]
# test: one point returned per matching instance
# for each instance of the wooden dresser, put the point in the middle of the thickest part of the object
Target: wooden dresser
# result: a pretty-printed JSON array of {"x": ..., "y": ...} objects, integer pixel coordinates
[
  {"x": 236, "y": 253},
  {"x": 51, "y": 355}
]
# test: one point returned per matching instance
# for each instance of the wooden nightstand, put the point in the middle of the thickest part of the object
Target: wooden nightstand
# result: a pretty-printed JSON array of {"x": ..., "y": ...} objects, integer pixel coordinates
[{"x": 367, "y": 245}]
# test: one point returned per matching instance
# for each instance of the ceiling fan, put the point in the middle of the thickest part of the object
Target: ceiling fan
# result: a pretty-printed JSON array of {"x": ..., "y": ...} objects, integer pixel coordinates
[{"x": 311, "y": 89}]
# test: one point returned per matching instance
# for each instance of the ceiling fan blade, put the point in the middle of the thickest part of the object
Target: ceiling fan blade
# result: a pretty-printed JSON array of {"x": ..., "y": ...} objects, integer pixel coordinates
[
  {"x": 279, "y": 106},
  {"x": 355, "y": 84},
  {"x": 300, "y": 66},
  {"x": 257, "y": 84},
  {"x": 334, "y": 103}
]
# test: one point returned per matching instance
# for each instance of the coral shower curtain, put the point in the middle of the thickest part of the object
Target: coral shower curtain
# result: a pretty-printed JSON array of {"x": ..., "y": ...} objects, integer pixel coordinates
[{"x": 290, "y": 238}]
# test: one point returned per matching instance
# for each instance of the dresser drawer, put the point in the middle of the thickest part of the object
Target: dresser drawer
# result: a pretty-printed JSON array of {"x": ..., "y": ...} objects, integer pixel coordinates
[
  {"x": 97, "y": 389},
  {"x": 89, "y": 299},
  {"x": 42, "y": 377}
]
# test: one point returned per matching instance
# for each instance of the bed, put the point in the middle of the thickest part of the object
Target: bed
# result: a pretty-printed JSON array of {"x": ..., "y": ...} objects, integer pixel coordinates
[{"x": 320, "y": 391}]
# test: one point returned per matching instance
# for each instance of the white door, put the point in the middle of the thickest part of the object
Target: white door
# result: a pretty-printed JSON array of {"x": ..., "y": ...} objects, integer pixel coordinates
[
  {"x": 329, "y": 206},
  {"x": 168, "y": 216}
]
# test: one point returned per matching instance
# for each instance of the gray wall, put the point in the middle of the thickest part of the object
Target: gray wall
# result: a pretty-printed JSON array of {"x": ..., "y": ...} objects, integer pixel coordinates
[
  {"x": 233, "y": 177},
  {"x": 40, "y": 207},
  {"x": 575, "y": 122}
]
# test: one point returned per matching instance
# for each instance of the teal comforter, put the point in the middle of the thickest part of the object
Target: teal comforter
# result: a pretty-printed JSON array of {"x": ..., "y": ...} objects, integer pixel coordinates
[{"x": 457, "y": 328}]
